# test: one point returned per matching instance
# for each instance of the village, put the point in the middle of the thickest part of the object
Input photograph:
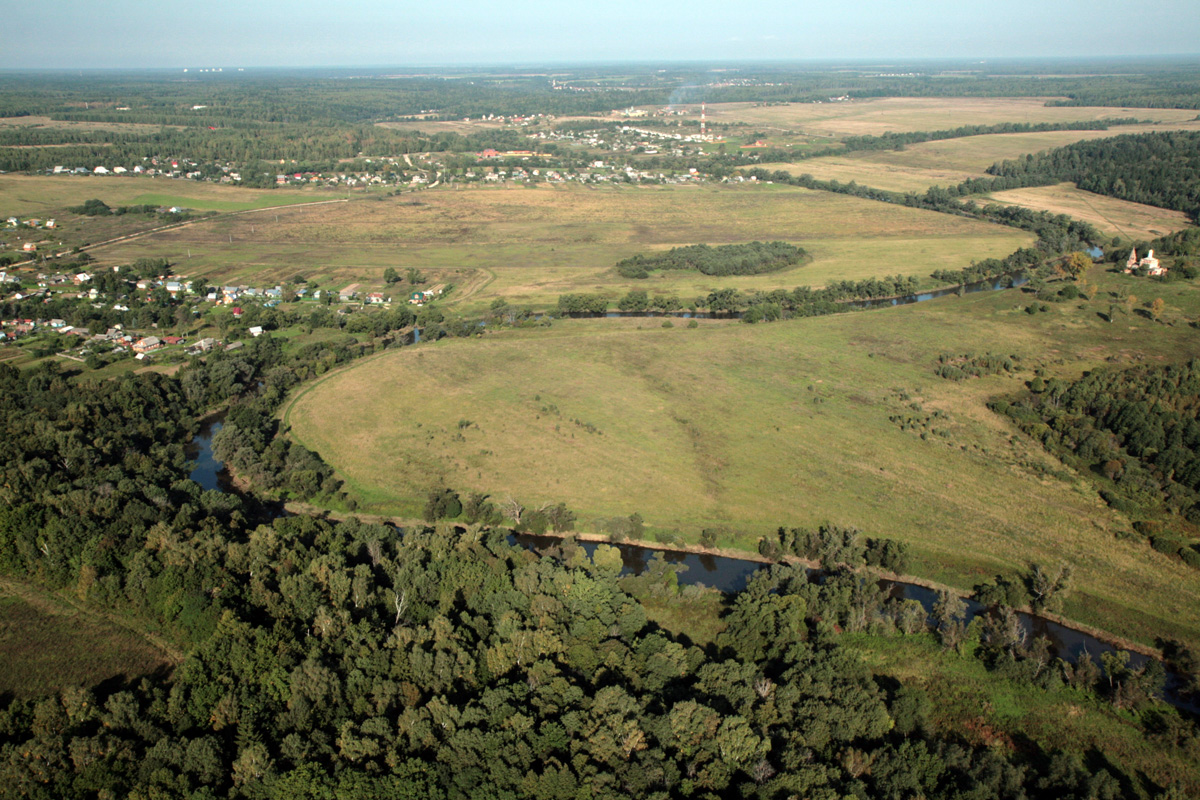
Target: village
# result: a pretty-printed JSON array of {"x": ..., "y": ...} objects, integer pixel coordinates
[{"x": 147, "y": 306}]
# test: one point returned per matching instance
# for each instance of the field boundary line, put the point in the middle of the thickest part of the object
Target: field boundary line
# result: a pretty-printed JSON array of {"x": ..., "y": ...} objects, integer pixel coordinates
[{"x": 44, "y": 599}]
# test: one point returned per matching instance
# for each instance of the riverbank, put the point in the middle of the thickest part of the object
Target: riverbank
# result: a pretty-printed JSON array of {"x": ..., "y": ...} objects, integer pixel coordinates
[{"x": 1107, "y": 638}]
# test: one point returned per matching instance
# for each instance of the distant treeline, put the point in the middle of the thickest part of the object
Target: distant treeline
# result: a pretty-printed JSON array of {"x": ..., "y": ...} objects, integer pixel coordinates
[
  {"x": 726, "y": 259},
  {"x": 311, "y": 147}
]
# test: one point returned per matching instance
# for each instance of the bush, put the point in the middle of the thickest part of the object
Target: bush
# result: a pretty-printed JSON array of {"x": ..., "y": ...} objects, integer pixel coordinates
[{"x": 442, "y": 504}]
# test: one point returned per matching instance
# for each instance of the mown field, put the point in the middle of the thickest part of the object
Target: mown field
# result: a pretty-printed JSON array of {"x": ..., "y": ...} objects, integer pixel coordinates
[
  {"x": 47, "y": 644},
  {"x": 533, "y": 243},
  {"x": 952, "y": 161},
  {"x": 1118, "y": 217},
  {"x": 899, "y": 114},
  {"x": 791, "y": 423}
]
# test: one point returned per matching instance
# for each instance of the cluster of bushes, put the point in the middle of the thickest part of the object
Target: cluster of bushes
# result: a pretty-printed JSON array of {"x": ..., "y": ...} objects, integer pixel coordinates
[
  {"x": 582, "y": 304},
  {"x": 834, "y": 545},
  {"x": 969, "y": 365}
]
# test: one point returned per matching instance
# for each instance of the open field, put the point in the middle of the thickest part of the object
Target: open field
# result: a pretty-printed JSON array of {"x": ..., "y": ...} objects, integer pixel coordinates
[
  {"x": 535, "y": 243},
  {"x": 949, "y": 161},
  {"x": 1118, "y": 217},
  {"x": 42, "y": 123},
  {"x": 47, "y": 644},
  {"x": 41, "y": 195},
  {"x": 752, "y": 427},
  {"x": 900, "y": 114}
]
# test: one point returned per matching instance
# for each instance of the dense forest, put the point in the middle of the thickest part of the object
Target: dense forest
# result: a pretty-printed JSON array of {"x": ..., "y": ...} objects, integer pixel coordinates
[
  {"x": 1137, "y": 433},
  {"x": 724, "y": 259}
]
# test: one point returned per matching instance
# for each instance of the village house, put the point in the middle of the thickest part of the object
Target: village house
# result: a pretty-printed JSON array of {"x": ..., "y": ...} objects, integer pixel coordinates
[
  {"x": 203, "y": 346},
  {"x": 147, "y": 345}
]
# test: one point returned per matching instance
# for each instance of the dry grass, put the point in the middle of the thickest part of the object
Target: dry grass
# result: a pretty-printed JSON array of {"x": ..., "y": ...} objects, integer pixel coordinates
[
  {"x": 40, "y": 122},
  {"x": 1119, "y": 217},
  {"x": 950, "y": 161},
  {"x": 47, "y": 644},
  {"x": 535, "y": 243},
  {"x": 40, "y": 195},
  {"x": 899, "y": 114}
]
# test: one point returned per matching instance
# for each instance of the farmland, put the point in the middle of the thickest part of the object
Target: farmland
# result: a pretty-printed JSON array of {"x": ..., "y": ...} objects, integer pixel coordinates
[
  {"x": 535, "y": 243},
  {"x": 751, "y": 427},
  {"x": 899, "y": 114},
  {"x": 1117, "y": 217},
  {"x": 950, "y": 161}
]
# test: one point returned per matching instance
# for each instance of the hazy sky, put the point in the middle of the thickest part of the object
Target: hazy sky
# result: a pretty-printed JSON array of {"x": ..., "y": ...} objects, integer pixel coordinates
[{"x": 248, "y": 33}]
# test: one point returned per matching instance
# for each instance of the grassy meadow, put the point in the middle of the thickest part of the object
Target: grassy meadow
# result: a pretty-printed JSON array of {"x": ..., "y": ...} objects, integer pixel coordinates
[
  {"x": 531, "y": 244},
  {"x": 789, "y": 423},
  {"x": 40, "y": 195}
]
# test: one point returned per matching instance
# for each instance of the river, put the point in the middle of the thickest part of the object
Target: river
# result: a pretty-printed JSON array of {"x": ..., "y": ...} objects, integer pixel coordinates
[{"x": 731, "y": 575}]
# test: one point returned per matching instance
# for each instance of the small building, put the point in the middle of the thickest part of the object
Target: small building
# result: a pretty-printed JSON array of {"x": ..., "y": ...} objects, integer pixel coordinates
[
  {"x": 29, "y": 247},
  {"x": 204, "y": 345},
  {"x": 257, "y": 331},
  {"x": 1149, "y": 263},
  {"x": 147, "y": 345}
]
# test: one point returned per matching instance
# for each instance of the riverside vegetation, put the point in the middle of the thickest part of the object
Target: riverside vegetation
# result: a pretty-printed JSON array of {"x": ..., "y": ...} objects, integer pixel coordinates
[{"x": 315, "y": 657}]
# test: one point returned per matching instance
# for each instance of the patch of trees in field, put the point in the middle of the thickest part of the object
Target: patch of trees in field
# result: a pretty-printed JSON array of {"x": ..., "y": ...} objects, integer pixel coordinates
[
  {"x": 1057, "y": 234},
  {"x": 753, "y": 258},
  {"x": 1137, "y": 432},
  {"x": 958, "y": 367}
]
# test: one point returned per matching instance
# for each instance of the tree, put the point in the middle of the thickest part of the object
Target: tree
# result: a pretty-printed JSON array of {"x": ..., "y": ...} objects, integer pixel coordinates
[
  {"x": 949, "y": 615},
  {"x": 390, "y": 275},
  {"x": 1047, "y": 585},
  {"x": 1156, "y": 308},
  {"x": 1075, "y": 264}
]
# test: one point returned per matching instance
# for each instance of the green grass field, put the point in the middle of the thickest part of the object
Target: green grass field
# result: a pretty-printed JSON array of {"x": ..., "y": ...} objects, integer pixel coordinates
[
  {"x": 753, "y": 427},
  {"x": 47, "y": 644},
  {"x": 534, "y": 243}
]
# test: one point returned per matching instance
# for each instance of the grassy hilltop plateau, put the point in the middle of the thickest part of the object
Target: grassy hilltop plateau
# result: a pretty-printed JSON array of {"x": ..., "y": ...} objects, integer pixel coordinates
[{"x": 941, "y": 329}]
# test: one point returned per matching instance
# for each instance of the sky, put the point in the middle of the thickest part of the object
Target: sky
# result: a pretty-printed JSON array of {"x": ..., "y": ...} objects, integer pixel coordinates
[{"x": 82, "y": 34}]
